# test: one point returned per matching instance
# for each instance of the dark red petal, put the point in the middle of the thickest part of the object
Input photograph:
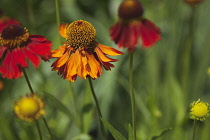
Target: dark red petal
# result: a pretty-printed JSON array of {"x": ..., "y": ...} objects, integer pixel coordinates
[
  {"x": 115, "y": 32},
  {"x": 19, "y": 57},
  {"x": 41, "y": 49},
  {"x": 150, "y": 33},
  {"x": 9, "y": 68},
  {"x": 35, "y": 60},
  {"x": 37, "y": 38}
]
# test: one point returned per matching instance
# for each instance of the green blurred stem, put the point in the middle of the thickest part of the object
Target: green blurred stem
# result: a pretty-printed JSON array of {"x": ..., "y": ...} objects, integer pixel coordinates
[
  {"x": 48, "y": 129},
  {"x": 39, "y": 131},
  {"x": 57, "y": 12},
  {"x": 98, "y": 109},
  {"x": 57, "y": 16},
  {"x": 194, "y": 129},
  {"x": 76, "y": 112},
  {"x": 27, "y": 81},
  {"x": 30, "y": 11},
  {"x": 187, "y": 52},
  {"x": 32, "y": 91},
  {"x": 132, "y": 96}
]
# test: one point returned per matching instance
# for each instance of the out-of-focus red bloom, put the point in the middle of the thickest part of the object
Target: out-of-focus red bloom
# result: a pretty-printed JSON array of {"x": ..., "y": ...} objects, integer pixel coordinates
[
  {"x": 132, "y": 25},
  {"x": 17, "y": 46},
  {"x": 4, "y": 21},
  {"x": 193, "y": 2}
]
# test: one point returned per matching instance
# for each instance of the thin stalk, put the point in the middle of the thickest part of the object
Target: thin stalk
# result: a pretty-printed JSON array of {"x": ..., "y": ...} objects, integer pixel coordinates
[
  {"x": 30, "y": 12},
  {"x": 76, "y": 112},
  {"x": 27, "y": 81},
  {"x": 57, "y": 16},
  {"x": 48, "y": 129},
  {"x": 132, "y": 96},
  {"x": 194, "y": 129},
  {"x": 32, "y": 91},
  {"x": 98, "y": 109},
  {"x": 39, "y": 131},
  {"x": 186, "y": 61},
  {"x": 57, "y": 12}
]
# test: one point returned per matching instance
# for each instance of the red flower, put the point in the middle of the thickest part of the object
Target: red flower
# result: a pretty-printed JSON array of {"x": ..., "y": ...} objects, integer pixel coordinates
[
  {"x": 193, "y": 2},
  {"x": 17, "y": 46},
  {"x": 132, "y": 25}
]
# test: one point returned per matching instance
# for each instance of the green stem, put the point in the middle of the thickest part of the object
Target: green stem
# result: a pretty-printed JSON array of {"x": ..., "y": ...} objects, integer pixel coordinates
[
  {"x": 57, "y": 12},
  {"x": 30, "y": 11},
  {"x": 194, "y": 129},
  {"x": 45, "y": 122},
  {"x": 39, "y": 131},
  {"x": 31, "y": 89},
  {"x": 27, "y": 81},
  {"x": 76, "y": 112},
  {"x": 186, "y": 60},
  {"x": 132, "y": 96},
  {"x": 98, "y": 109},
  {"x": 57, "y": 16}
]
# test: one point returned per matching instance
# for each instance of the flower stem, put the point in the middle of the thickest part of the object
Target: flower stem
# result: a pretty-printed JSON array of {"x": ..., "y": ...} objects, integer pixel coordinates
[
  {"x": 76, "y": 112},
  {"x": 57, "y": 12},
  {"x": 32, "y": 91},
  {"x": 48, "y": 129},
  {"x": 194, "y": 129},
  {"x": 132, "y": 96},
  {"x": 98, "y": 109},
  {"x": 57, "y": 16},
  {"x": 27, "y": 81},
  {"x": 39, "y": 131}
]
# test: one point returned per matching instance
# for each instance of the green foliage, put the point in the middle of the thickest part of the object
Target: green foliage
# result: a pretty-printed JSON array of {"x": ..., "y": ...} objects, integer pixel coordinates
[{"x": 163, "y": 85}]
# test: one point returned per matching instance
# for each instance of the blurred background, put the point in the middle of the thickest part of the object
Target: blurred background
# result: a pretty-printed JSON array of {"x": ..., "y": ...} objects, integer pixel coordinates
[{"x": 167, "y": 77}]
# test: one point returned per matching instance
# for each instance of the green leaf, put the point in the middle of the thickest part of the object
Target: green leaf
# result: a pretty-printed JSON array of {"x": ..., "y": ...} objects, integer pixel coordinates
[
  {"x": 130, "y": 132},
  {"x": 163, "y": 132},
  {"x": 82, "y": 137},
  {"x": 116, "y": 134}
]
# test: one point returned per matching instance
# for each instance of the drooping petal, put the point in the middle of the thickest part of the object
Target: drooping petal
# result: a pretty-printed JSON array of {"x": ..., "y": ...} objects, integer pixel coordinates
[
  {"x": 37, "y": 38},
  {"x": 103, "y": 57},
  {"x": 63, "y": 59},
  {"x": 82, "y": 69},
  {"x": 9, "y": 68},
  {"x": 62, "y": 29},
  {"x": 73, "y": 63},
  {"x": 41, "y": 48},
  {"x": 59, "y": 52},
  {"x": 109, "y": 50},
  {"x": 35, "y": 60},
  {"x": 115, "y": 32},
  {"x": 94, "y": 66},
  {"x": 19, "y": 57},
  {"x": 149, "y": 32}
]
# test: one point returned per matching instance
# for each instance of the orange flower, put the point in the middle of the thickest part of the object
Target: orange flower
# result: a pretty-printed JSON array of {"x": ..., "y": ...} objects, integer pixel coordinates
[
  {"x": 132, "y": 26},
  {"x": 81, "y": 55}
]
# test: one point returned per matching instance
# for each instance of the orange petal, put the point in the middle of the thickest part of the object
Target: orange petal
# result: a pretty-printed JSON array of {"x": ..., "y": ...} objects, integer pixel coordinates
[
  {"x": 103, "y": 57},
  {"x": 82, "y": 71},
  {"x": 62, "y": 29},
  {"x": 94, "y": 66},
  {"x": 109, "y": 50},
  {"x": 62, "y": 60},
  {"x": 59, "y": 52},
  {"x": 73, "y": 63}
]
